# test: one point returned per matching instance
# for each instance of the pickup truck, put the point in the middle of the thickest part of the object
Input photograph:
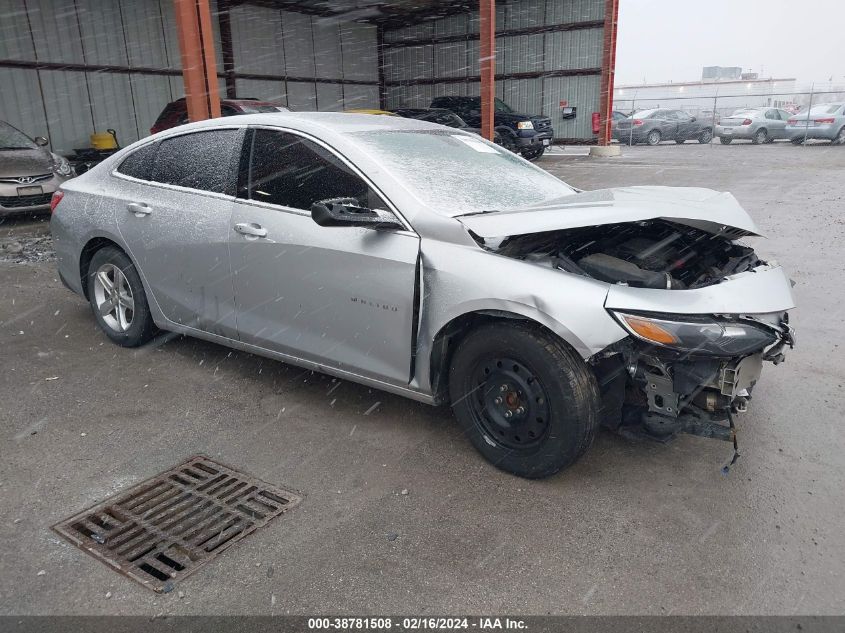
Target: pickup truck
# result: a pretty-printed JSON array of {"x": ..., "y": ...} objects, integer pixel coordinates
[{"x": 524, "y": 134}]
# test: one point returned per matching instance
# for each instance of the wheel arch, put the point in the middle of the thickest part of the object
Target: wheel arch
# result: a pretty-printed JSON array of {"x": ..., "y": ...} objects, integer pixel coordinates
[
  {"x": 98, "y": 243},
  {"x": 445, "y": 341}
]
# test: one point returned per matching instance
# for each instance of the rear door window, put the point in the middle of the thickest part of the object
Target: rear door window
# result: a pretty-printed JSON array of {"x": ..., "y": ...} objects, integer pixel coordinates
[{"x": 199, "y": 160}]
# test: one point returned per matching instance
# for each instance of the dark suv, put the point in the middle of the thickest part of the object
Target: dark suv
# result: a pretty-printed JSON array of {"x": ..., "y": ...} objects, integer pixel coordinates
[
  {"x": 176, "y": 112},
  {"x": 526, "y": 134}
]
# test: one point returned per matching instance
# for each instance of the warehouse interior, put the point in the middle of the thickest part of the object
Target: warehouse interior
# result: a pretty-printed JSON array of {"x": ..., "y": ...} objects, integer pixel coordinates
[{"x": 69, "y": 68}]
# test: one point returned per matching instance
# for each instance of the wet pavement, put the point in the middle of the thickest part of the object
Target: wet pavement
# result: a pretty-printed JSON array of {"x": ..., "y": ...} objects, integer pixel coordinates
[{"x": 400, "y": 513}]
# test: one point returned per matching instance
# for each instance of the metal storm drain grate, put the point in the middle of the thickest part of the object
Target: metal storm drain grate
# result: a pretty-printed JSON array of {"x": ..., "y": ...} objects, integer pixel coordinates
[{"x": 165, "y": 528}]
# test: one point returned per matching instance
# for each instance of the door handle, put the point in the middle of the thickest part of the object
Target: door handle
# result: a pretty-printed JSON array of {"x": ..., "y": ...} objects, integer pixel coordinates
[
  {"x": 251, "y": 229},
  {"x": 139, "y": 208}
]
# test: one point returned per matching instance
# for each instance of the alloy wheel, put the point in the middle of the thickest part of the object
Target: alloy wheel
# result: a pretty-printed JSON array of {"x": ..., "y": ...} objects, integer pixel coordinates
[{"x": 113, "y": 297}]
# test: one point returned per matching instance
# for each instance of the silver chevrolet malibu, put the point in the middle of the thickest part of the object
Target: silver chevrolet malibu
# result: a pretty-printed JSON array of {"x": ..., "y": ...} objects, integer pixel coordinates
[{"x": 430, "y": 263}]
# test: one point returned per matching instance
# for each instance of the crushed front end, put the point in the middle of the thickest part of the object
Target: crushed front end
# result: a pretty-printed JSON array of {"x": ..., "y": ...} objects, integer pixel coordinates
[{"x": 686, "y": 373}]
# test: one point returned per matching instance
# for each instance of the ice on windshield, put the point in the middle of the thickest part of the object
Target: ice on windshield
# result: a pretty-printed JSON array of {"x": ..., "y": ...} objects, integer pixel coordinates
[{"x": 456, "y": 174}]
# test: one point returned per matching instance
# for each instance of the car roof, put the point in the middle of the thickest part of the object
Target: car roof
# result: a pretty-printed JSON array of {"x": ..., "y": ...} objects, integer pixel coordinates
[{"x": 338, "y": 122}]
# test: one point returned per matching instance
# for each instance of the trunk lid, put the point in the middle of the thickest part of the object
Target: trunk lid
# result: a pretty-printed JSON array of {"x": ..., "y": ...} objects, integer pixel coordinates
[{"x": 705, "y": 209}]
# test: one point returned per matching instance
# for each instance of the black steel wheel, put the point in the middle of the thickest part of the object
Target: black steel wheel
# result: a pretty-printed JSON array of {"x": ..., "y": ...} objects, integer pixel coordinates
[
  {"x": 510, "y": 403},
  {"x": 526, "y": 400}
]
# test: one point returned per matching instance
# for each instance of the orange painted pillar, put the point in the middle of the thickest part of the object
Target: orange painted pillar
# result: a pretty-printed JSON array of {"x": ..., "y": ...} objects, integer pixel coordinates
[
  {"x": 487, "y": 54},
  {"x": 608, "y": 71},
  {"x": 199, "y": 66}
]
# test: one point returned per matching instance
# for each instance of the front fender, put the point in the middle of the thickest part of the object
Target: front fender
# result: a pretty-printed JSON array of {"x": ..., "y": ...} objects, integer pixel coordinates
[{"x": 458, "y": 280}]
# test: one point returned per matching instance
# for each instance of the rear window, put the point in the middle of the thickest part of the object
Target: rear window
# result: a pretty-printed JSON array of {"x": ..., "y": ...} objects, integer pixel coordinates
[
  {"x": 139, "y": 163},
  {"x": 828, "y": 108},
  {"x": 199, "y": 160}
]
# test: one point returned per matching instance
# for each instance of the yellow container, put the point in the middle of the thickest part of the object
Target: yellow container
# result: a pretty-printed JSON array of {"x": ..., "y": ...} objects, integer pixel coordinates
[{"x": 103, "y": 140}]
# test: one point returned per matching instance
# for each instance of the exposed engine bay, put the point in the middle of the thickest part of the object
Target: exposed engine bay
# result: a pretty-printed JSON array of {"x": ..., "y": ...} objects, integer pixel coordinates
[
  {"x": 647, "y": 254},
  {"x": 675, "y": 373}
]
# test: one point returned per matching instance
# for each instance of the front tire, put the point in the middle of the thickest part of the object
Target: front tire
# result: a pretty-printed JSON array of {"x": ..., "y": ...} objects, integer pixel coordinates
[
  {"x": 796, "y": 141},
  {"x": 840, "y": 137},
  {"x": 526, "y": 401},
  {"x": 117, "y": 298},
  {"x": 705, "y": 137},
  {"x": 725, "y": 141}
]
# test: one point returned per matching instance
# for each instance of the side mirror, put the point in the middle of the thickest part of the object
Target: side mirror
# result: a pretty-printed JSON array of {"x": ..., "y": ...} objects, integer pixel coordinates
[
  {"x": 41, "y": 141},
  {"x": 346, "y": 212}
]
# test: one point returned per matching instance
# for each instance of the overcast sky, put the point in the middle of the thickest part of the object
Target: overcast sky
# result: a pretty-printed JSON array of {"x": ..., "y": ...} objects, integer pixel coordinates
[{"x": 662, "y": 40}]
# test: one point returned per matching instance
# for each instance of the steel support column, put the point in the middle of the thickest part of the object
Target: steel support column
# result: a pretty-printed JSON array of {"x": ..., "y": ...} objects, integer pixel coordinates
[
  {"x": 487, "y": 54},
  {"x": 611, "y": 19},
  {"x": 199, "y": 67},
  {"x": 224, "y": 22}
]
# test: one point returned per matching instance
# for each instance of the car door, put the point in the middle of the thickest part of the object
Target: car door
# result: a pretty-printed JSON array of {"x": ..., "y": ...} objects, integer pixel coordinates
[
  {"x": 774, "y": 124},
  {"x": 175, "y": 206},
  {"x": 667, "y": 123},
  {"x": 343, "y": 297},
  {"x": 687, "y": 126}
]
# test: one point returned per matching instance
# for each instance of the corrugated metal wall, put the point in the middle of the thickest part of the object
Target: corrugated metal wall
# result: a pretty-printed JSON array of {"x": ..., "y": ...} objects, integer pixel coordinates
[
  {"x": 416, "y": 71},
  {"x": 68, "y": 105}
]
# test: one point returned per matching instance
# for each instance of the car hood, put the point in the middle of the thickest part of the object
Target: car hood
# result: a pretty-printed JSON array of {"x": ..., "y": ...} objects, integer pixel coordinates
[
  {"x": 705, "y": 209},
  {"x": 24, "y": 162}
]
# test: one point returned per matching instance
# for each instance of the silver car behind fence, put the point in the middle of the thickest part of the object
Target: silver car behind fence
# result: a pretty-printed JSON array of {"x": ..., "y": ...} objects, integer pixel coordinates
[{"x": 342, "y": 243}]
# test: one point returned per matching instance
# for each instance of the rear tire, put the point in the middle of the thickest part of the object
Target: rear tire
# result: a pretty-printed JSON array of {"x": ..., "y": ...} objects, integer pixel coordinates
[
  {"x": 527, "y": 402},
  {"x": 760, "y": 137},
  {"x": 653, "y": 138},
  {"x": 725, "y": 141},
  {"x": 797, "y": 141},
  {"x": 680, "y": 141},
  {"x": 840, "y": 137},
  {"x": 117, "y": 298}
]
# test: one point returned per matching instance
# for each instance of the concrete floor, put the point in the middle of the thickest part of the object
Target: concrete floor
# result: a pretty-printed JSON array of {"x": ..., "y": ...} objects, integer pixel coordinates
[{"x": 634, "y": 528}]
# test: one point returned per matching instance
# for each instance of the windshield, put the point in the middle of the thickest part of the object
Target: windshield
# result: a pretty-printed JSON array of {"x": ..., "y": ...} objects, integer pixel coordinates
[
  {"x": 12, "y": 138},
  {"x": 456, "y": 174},
  {"x": 501, "y": 106}
]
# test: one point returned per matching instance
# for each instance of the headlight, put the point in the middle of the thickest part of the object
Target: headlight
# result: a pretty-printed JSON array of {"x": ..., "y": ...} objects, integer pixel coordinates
[
  {"x": 702, "y": 335},
  {"x": 61, "y": 166},
  {"x": 525, "y": 125}
]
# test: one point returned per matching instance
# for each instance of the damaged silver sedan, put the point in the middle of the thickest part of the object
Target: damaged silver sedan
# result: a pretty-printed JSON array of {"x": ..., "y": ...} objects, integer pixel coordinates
[{"x": 427, "y": 262}]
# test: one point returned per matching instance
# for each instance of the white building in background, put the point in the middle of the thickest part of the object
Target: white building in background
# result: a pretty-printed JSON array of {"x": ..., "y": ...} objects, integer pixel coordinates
[{"x": 697, "y": 97}]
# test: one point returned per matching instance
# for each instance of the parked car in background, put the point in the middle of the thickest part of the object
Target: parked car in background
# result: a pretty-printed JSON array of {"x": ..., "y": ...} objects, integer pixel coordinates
[
  {"x": 176, "y": 112},
  {"x": 525, "y": 134},
  {"x": 758, "y": 125},
  {"x": 29, "y": 172},
  {"x": 445, "y": 117},
  {"x": 433, "y": 264},
  {"x": 654, "y": 126},
  {"x": 824, "y": 121}
]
